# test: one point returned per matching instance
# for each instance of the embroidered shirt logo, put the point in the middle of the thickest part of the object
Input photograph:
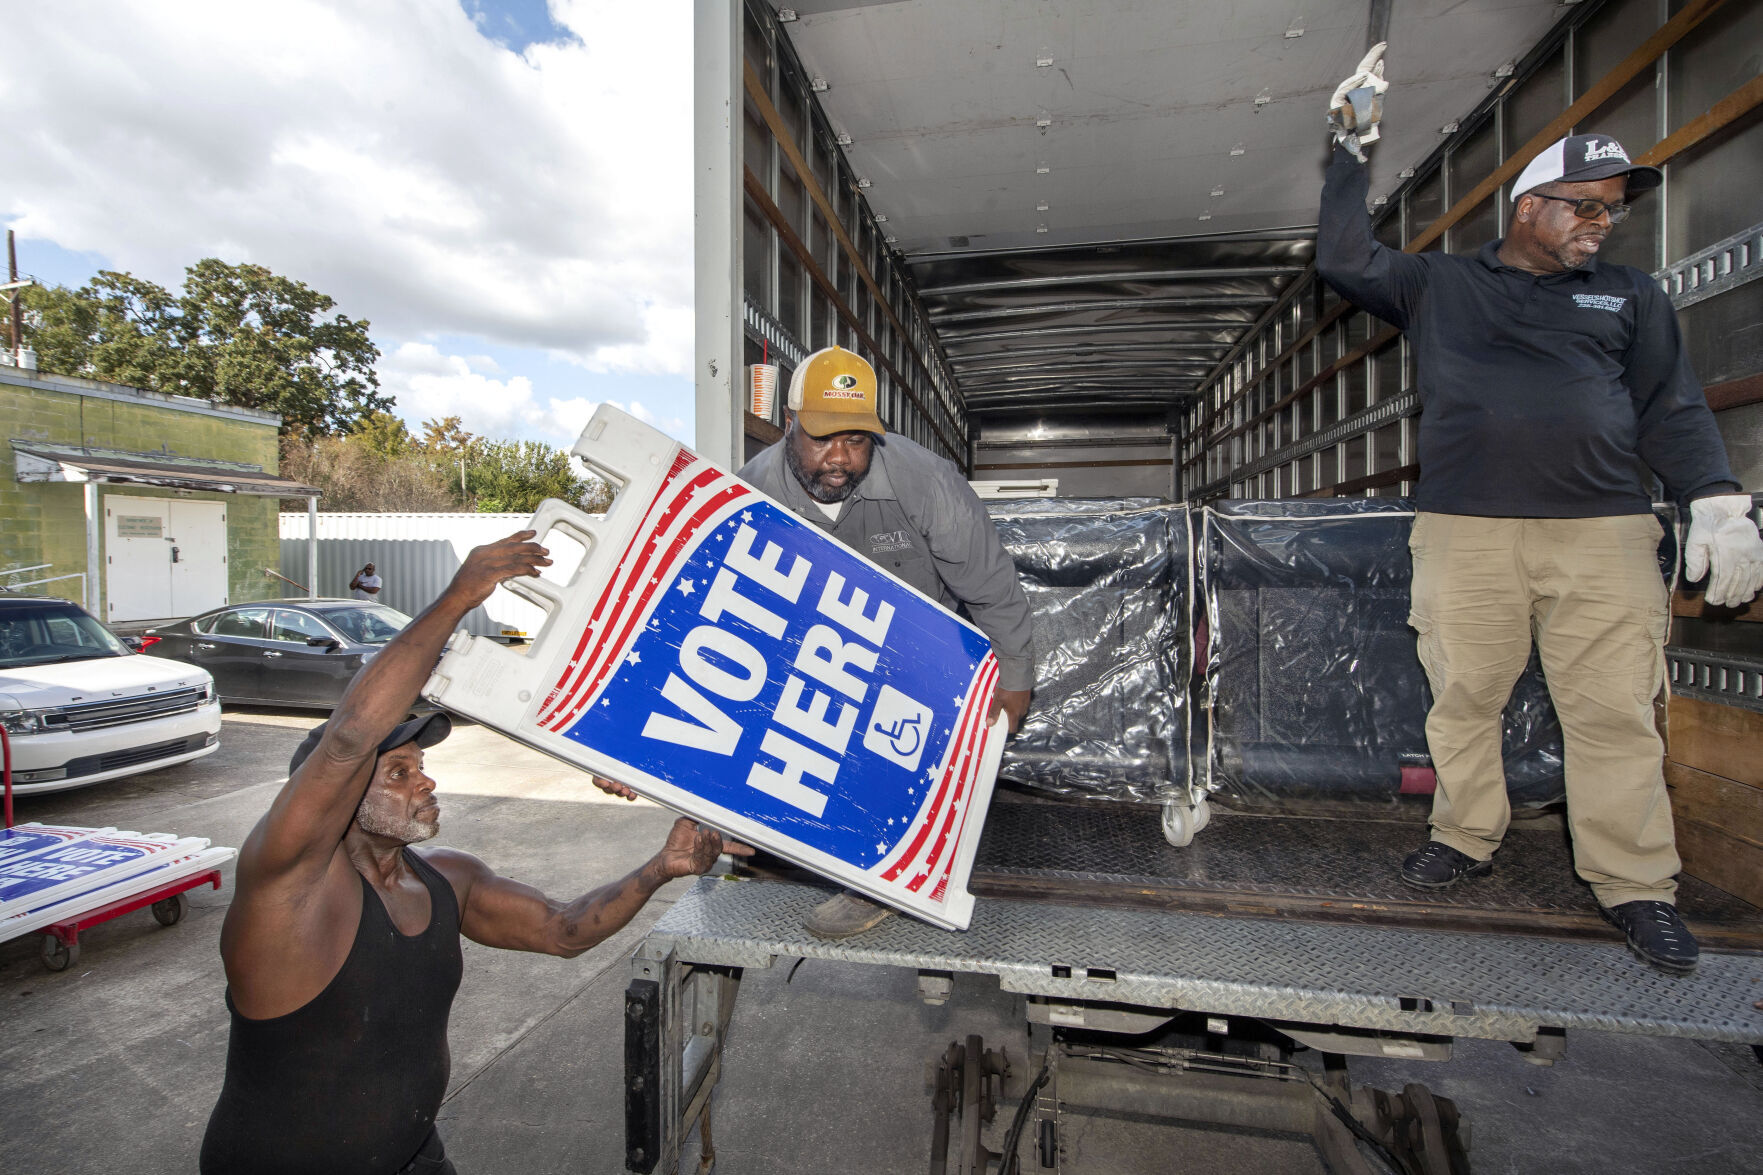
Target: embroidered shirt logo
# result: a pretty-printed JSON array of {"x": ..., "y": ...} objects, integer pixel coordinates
[
  {"x": 890, "y": 540},
  {"x": 1608, "y": 302},
  {"x": 1611, "y": 150}
]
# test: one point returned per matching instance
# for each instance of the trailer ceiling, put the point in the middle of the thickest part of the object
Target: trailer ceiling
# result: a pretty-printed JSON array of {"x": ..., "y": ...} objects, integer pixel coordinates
[{"x": 1099, "y": 197}]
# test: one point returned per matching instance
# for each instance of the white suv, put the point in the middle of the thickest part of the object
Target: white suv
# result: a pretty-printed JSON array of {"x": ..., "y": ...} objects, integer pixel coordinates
[{"x": 80, "y": 707}]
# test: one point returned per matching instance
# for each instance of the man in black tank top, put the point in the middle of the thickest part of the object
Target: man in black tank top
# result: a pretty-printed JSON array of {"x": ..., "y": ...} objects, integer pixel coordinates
[{"x": 342, "y": 943}]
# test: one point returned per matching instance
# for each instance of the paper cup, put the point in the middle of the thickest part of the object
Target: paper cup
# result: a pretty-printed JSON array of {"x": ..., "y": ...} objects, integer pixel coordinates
[{"x": 762, "y": 389}]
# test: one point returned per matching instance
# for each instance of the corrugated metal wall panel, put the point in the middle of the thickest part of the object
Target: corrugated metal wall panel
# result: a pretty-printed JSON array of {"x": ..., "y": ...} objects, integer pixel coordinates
[{"x": 415, "y": 555}]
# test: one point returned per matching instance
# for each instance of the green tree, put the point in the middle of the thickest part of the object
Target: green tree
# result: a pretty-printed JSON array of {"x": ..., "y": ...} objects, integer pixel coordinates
[
  {"x": 355, "y": 475},
  {"x": 117, "y": 327},
  {"x": 513, "y": 477},
  {"x": 384, "y": 434},
  {"x": 238, "y": 334},
  {"x": 447, "y": 435}
]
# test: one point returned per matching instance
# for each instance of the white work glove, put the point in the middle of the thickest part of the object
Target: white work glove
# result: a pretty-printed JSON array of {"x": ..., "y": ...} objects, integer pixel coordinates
[
  {"x": 1724, "y": 545},
  {"x": 1353, "y": 123}
]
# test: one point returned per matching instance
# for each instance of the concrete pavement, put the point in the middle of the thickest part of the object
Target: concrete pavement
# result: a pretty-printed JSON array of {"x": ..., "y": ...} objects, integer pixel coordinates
[{"x": 115, "y": 1064}]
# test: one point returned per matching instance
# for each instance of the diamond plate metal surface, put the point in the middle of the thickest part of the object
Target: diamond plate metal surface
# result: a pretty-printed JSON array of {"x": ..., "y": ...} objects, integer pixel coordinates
[
  {"x": 1351, "y": 861},
  {"x": 1485, "y": 986}
]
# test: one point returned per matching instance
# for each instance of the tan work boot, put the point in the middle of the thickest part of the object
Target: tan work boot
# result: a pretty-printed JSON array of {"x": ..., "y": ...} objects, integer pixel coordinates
[{"x": 843, "y": 916}]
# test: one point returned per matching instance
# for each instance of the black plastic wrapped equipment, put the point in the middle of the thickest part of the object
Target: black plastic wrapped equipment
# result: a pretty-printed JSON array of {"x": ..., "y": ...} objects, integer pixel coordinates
[
  {"x": 1109, "y": 582},
  {"x": 1315, "y": 688}
]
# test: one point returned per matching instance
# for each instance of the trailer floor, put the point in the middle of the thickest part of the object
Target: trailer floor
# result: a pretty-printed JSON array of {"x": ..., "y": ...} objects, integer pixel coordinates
[{"x": 1308, "y": 869}]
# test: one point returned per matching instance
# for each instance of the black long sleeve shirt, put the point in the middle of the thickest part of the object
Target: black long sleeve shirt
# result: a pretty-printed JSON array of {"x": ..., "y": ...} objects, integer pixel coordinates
[{"x": 1542, "y": 396}]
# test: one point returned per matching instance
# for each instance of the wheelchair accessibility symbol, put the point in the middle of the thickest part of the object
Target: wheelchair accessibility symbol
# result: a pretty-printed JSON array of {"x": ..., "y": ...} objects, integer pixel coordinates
[
  {"x": 906, "y": 730},
  {"x": 897, "y": 728}
]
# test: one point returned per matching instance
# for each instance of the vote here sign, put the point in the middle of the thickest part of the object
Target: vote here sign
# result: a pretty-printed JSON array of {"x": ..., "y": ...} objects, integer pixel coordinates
[
  {"x": 40, "y": 877},
  {"x": 33, "y": 839},
  {"x": 733, "y": 662}
]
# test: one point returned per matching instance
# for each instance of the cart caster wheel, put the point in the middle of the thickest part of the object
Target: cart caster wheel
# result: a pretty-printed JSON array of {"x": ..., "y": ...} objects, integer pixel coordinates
[
  {"x": 1181, "y": 822},
  {"x": 57, "y": 955},
  {"x": 170, "y": 911}
]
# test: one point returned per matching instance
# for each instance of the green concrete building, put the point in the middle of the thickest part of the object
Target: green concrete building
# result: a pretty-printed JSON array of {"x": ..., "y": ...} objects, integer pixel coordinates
[{"x": 141, "y": 506}]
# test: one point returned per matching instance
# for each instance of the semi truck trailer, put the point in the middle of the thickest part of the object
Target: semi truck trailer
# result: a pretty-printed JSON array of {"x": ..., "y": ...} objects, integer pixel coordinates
[{"x": 1077, "y": 242}]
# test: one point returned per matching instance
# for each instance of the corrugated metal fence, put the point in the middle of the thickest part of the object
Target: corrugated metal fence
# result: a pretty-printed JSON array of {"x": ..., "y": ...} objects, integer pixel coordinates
[{"x": 415, "y": 556}]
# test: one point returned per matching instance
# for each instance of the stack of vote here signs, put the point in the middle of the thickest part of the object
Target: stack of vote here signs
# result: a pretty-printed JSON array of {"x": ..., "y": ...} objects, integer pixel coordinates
[{"x": 54, "y": 873}]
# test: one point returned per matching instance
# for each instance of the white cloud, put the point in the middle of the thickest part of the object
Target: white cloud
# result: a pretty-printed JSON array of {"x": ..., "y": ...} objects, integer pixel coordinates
[
  {"x": 386, "y": 153},
  {"x": 666, "y": 347},
  {"x": 430, "y": 385}
]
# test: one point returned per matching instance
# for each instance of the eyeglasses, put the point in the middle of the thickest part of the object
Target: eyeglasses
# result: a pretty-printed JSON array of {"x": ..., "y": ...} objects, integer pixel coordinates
[{"x": 1589, "y": 209}]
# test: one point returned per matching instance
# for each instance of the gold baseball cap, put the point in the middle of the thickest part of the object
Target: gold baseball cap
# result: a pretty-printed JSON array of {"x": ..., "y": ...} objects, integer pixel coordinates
[{"x": 834, "y": 391}]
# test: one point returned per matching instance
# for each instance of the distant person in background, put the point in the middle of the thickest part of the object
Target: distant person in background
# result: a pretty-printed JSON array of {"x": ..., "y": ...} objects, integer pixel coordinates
[{"x": 366, "y": 584}]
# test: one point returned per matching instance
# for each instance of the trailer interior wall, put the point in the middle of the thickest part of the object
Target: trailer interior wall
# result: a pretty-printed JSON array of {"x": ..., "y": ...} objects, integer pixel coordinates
[
  {"x": 812, "y": 265},
  {"x": 1096, "y": 455},
  {"x": 1319, "y": 400}
]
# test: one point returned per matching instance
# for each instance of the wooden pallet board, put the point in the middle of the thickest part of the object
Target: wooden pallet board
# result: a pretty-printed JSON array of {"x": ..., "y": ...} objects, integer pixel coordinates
[{"x": 1715, "y": 775}]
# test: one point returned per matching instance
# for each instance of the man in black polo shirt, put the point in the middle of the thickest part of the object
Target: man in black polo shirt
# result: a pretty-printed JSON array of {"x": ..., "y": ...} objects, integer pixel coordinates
[{"x": 1547, "y": 381}]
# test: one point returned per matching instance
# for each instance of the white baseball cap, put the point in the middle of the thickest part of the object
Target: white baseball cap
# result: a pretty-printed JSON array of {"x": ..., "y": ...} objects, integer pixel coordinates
[{"x": 1580, "y": 159}]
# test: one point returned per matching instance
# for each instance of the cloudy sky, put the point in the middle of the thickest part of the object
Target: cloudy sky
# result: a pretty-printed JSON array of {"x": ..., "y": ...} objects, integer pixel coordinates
[{"x": 501, "y": 187}]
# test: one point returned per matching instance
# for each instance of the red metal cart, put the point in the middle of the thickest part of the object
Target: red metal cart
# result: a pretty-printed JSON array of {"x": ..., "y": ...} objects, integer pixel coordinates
[{"x": 61, "y": 940}]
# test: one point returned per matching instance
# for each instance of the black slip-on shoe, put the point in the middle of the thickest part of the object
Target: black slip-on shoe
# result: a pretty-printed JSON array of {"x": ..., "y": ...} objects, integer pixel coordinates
[
  {"x": 1656, "y": 934},
  {"x": 843, "y": 916},
  {"x": 1435, "y": 865}
]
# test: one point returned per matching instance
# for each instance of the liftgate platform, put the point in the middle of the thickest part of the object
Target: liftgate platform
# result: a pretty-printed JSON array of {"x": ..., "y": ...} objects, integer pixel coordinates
[{"x": 1104, "y": 927}]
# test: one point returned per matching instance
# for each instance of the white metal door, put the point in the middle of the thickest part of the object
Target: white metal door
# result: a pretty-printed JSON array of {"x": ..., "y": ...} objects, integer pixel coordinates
[
  {"x": 197, "y": 533},
  {"x": 137, "y": 558}
]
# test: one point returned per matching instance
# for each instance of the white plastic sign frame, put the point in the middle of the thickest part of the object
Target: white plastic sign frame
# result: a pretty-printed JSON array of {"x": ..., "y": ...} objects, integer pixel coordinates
[{"x": 722, "y": 657}]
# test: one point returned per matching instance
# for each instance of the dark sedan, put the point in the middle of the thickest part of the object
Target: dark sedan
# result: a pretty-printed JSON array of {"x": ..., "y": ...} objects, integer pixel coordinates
[{"x": 280, "y": 652}]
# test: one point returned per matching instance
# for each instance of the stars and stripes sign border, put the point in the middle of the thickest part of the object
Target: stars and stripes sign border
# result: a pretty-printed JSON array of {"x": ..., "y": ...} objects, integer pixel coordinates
[{"x": 693, "y": 497}]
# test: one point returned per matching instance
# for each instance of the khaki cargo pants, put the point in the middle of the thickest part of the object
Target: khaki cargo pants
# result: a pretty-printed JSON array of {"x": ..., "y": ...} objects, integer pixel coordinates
[{"x": 1588, "y": 590}]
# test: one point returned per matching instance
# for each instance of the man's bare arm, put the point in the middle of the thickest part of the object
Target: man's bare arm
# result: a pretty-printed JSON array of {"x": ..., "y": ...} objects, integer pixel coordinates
[
  {"x": 304, "y": 825},
  {"x": 499, "y": 912}
]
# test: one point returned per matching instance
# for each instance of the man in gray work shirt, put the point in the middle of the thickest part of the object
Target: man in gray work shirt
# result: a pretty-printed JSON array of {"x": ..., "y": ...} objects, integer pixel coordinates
[{"x": 908, "y": 511}]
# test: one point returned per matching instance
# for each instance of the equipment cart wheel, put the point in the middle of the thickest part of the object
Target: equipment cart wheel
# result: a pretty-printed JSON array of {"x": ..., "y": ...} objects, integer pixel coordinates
[
  {"x": 170, "y": 911},
  {"x": 1182, "y": 822},
  {"x": 57, "y": 955}
]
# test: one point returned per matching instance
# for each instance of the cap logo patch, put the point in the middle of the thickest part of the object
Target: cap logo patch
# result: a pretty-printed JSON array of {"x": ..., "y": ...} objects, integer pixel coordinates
[
  {"x": 844, "y": 382},
  {"x": 836, "y": 393},
  {"x": 1610, "y": 150}
]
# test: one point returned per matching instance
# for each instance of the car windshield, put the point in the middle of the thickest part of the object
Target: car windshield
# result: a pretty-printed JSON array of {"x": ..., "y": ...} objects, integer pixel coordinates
[
  {"x": 373, "y": 625},
  {"x": 45, "y": 634}
]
